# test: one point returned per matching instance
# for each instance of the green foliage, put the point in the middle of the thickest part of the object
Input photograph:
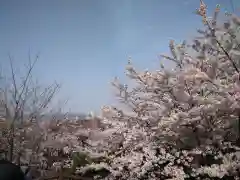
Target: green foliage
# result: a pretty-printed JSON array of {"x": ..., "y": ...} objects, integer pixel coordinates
[{"x": 80, "y": 159}]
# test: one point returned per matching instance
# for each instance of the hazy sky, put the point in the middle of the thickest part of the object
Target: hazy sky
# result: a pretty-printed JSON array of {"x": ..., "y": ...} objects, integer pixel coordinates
[{"x": 83, "y": 44}]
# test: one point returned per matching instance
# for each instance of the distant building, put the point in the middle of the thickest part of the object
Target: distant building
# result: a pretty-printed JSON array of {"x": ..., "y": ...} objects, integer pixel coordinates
[{"x": 94, "y": 123}]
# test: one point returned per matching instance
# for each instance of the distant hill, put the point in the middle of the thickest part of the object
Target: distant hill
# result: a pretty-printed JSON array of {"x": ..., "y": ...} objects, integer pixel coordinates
[
  {"x": 49, "y": 116},
  {"x": 70, "y": 116}
]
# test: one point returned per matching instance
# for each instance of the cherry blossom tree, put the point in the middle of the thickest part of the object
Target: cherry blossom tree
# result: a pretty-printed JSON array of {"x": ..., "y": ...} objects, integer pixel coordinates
[{"x": 190, "y": 109}]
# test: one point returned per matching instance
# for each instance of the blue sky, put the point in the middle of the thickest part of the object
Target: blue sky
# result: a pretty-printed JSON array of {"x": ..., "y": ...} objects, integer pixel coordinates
[{"x": 83, "y": 44}]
